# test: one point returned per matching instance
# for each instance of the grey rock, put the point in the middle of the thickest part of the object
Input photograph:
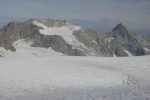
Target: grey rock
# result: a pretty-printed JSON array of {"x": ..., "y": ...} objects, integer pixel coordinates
[
  {"x": 94, "y": 41},
  {"x": 126, "y": 40},
  {"x": 97, "y": 44},
  {"x": 23, "y": 30},
  {"x": 57, "y": 43}
]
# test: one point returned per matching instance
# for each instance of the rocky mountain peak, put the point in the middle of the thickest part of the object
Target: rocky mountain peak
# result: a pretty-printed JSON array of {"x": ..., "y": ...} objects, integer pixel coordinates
[{"x": 121, "y": 29}]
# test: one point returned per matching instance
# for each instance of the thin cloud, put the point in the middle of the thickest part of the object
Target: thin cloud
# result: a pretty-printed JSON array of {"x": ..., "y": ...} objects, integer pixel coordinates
[
  {"x": 91, "y": 10},
  {"x": 132, "y": 1}
]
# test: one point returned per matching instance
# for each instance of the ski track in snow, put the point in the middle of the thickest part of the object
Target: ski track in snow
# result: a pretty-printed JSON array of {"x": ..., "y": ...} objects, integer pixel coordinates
[{"x": 74, "y": 78}]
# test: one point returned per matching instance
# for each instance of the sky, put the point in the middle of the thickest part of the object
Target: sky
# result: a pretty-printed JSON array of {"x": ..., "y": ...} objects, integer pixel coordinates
[{"x": 100, "y": 15}]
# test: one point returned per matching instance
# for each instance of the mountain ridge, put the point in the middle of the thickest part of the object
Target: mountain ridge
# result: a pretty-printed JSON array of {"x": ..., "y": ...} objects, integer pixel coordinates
[{"x": 73, "y": 40}]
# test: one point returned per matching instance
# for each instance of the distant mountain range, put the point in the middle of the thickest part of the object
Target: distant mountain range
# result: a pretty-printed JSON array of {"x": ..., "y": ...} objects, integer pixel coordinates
[{"x": 38, "y": 37}]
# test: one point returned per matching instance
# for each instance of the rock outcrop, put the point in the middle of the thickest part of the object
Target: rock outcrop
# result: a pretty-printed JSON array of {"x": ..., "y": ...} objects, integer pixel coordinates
[{"x": 119, "y": 42}]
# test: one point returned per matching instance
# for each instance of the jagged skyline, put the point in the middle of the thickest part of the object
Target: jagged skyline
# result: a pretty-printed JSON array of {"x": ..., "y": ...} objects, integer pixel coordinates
[{"x": 100, "y": 15}]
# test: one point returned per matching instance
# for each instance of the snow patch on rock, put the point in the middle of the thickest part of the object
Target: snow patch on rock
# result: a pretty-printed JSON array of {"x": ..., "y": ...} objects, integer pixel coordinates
[
  {"x": 146, "y": 49},
  {"x": 128, "y": 53},
  {"x": 24, "y": 48},
  {"x": 65, "y": 31}
]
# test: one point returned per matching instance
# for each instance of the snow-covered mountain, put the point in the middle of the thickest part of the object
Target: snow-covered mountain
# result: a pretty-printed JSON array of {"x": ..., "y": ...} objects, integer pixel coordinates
[
  {"x": 38, "y": 37},
  {"x": 29, "y": 72}
]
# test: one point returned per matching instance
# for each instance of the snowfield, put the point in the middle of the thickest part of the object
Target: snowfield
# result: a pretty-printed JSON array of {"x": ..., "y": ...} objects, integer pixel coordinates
[
  {"x": 66, "y": 32},
  {"x": 24, "y": 49},
  {"x": 74, "y": 78}
]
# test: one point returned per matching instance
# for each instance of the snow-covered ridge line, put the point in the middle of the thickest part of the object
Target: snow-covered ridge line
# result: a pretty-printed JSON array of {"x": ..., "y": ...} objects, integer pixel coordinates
[{"x": 73, "y": 40}]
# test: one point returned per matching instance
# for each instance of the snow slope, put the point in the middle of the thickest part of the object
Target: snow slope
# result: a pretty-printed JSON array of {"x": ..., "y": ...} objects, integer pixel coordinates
[
  {"x": 128, "y": 53},
  {"x": 146, "y": 49},
  {"x": 66, "y": 32},
  {"x": 74, "y": 78},
  {"x": 24, "y": 48}
]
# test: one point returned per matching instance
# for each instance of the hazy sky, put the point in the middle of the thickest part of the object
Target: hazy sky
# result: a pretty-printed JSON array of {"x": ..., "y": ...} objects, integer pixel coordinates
[{"x": 101, "y": 15}]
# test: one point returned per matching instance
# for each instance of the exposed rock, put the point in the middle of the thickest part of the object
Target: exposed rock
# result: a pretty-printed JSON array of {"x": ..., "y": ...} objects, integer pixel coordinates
[
  {"x": 113, "y": 43},
  {"x": 57, "y": 43}
]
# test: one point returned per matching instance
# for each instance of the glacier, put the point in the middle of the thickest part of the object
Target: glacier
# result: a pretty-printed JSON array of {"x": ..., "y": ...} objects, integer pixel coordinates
[{"x": 74, "y": 78}]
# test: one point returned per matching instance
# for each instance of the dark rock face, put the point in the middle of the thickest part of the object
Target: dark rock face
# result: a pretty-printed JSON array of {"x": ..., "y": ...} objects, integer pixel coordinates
[
  {"x": 109, "y": 44},
  {"x": 120, "y": 30},
  {"x": 15, "y": 31},
  {"x": 116, "y": 42},
  {"x": 127, "y": 40},
  {"x": 57, "y": 43}
]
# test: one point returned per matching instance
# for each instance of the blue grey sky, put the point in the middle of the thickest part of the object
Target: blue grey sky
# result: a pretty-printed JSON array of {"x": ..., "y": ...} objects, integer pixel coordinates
[{"x": 101, "y": 15}]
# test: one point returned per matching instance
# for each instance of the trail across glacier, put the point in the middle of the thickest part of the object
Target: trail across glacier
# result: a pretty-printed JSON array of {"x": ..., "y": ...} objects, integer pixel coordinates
[{"x": 74, "y": 78}]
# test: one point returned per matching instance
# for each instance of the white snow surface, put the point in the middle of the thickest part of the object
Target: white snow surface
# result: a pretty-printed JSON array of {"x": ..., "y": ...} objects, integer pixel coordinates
[
  {"x": 66, "y": 32},
  {"x": 74, "y": 78},
  {"x": 24, "y": 48},
  {"x": 146, "y": 49},
  {"x": 128, "y": 53}
]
